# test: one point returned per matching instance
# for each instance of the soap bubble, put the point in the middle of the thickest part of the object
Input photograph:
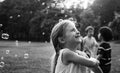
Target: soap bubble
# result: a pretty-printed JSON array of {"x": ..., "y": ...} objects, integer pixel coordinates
[
  {"x": 2, "y": 64},
  {"x": 1, "y": 25},
  {"x": 2, "y": 58},
  {"x": 7, "y": 51},
  {"x": 5, "y": 36},
  {"x": 11, "y": 17},
  {"x": 43, "y": 3},
  {"x": 29, "y": 42},
  {"x": 18, "y": 16},
  {"x": 16, "y": 55},
  {"x": 43, "y": 33},
  {"x": 26, "y": 55},
  {"x": 16, "y": 42}
]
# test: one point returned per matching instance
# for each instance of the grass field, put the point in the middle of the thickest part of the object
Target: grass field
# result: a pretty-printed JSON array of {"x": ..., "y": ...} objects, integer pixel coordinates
[{"x": 34, "y": 57}]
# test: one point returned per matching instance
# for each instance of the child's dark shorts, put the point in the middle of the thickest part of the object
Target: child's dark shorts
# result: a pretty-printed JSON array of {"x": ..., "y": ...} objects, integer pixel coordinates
[{"x": 106, "y": 68}]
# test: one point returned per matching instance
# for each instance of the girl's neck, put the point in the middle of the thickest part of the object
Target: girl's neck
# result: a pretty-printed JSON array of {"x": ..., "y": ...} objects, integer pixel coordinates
[{"x": 72, "y": 47}]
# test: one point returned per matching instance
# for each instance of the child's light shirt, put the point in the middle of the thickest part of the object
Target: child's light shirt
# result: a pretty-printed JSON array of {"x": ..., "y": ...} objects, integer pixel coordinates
[
  {"x": 90, "y": 43},
  {"x": 71, "y": 67}
]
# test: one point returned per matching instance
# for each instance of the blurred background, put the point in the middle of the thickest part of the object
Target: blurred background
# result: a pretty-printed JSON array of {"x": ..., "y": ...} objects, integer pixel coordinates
[{"x": 32, "y": 20}]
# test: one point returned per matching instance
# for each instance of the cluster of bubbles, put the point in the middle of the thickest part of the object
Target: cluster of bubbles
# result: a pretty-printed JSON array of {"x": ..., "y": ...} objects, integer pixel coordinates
[
  {"x": 7, "y": 52},
  {"x": 2, "y": 63}
]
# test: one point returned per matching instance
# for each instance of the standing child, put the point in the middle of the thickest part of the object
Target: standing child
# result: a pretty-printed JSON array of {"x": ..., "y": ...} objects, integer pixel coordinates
[
  {"x": 89, "y": 42},
  {"x": 67, "y": 59},
  {"x": 104, "y": 52}
]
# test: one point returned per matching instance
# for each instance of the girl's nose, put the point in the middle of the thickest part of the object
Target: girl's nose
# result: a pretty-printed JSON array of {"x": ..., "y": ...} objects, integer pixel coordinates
[{"x": 78, "y": 32}]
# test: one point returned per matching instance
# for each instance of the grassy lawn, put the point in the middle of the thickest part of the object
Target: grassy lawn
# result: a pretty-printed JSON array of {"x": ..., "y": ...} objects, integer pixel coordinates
[{"x": 35, "y": 57}]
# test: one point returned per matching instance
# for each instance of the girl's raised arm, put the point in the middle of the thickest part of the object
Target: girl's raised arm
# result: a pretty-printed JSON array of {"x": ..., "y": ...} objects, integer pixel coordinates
[{"x": 70, "y": 56}]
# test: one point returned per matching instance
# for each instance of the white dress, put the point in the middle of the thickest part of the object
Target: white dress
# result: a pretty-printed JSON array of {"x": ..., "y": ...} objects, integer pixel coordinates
[
  {"x": 90, "y": 43},
  {"x": 70, "y": 68}
]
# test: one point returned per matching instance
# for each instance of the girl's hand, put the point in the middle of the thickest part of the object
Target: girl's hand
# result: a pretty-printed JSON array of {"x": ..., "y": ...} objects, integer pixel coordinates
[
  {"x": 95, "y": 61},
  {"x": 96, "y": 68}
]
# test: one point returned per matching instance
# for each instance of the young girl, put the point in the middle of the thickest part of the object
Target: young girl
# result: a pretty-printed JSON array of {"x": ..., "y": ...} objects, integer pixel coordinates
[
  {"x": 104, "y": 52},
  {"x": 66, "y": 38},
  {"x": 89, "y": 42}
]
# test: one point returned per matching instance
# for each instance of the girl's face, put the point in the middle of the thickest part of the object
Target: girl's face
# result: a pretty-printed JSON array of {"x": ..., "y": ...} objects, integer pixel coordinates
[{"x": 72, "y": 35}]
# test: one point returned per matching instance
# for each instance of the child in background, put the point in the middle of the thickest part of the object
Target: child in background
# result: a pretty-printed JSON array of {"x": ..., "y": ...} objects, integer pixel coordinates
[
  {"x": 67, "y": 59},
  {"x": 104, "y": 52},
  {"x": 89, "y": 42}
]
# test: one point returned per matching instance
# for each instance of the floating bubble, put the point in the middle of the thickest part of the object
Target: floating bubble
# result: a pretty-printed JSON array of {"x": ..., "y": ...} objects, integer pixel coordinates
[
  {"x": 65, "y": 15},
  {"x": 16, "y": 42},
  {"x": 46, "y": 42},
  {"x": 29, "y": 42},
  {"x": 1, "y": 25},
  {"x": 48, "y": 7},
  {"x": 26, "y": 55},
  {"x": 18, "y": 16},
  {"x": 43, "y": 33},
  {"x": 16, "y": 55},
  {"x": 11, "y": 17},
  {"x": 2, "y": 58},
  {"x": 43, "y": 3},
  {"x": 5, "y": 36},
  {"x": 2, "y": 64},
  {"x": 7, "y": 51},
  {"x": 31, "y": 12}
]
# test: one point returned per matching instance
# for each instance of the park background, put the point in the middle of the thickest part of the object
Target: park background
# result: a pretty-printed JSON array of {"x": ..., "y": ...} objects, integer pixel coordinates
[{"x": 25, "y": 27}]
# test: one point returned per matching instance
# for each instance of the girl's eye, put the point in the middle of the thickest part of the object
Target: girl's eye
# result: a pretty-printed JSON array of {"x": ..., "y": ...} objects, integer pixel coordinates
[{"x": 73, "y": 29}]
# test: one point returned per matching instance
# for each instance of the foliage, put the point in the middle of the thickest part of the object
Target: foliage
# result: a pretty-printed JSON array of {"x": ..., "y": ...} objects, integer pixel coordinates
[{"x": 34, "y": 19}]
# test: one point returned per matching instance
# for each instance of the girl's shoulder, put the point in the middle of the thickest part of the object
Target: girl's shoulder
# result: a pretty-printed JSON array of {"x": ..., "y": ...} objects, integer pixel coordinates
[{"x": 64, "y": 49}]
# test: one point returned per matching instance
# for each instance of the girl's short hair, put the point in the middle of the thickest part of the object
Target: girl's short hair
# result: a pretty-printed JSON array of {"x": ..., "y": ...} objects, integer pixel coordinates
[
  {"x": 89, "y": 28},
  {"x": 106, "y": 33}
]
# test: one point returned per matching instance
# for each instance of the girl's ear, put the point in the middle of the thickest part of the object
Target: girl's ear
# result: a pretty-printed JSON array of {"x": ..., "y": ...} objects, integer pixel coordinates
[{"x": 61, "y": 40}]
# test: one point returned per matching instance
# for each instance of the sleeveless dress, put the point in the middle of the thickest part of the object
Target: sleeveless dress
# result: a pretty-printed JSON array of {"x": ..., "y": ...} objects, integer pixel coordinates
[{"x": 70, "y": 68}]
